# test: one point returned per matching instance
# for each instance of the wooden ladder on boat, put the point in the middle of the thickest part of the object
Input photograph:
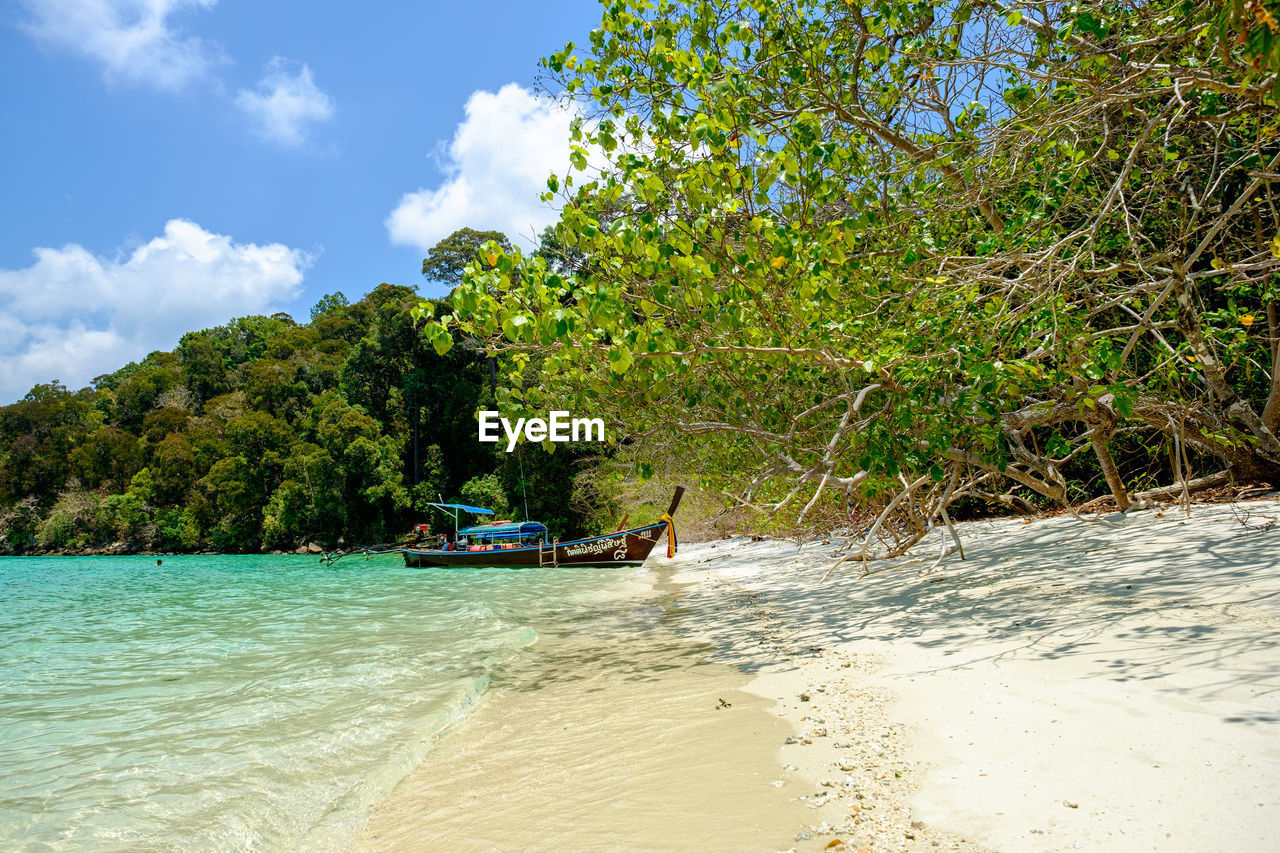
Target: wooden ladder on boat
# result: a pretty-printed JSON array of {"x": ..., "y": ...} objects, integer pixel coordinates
[{"x": 547, "y": 553}]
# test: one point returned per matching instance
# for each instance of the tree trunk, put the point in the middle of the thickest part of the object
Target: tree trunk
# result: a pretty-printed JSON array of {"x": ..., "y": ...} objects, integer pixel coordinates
[
  {"x": 1102, "y": 448},
  {"x": 1271, "y": 409},
  {"x": 417, "y": 465},
  {"x": 1271, "y": 414}
]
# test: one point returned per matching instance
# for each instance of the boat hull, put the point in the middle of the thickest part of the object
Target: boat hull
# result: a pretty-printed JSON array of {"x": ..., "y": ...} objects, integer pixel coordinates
[{"x": 624, "y": 548}]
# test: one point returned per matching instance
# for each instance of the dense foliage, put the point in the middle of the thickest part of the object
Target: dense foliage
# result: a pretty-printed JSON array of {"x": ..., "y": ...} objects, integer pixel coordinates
[
  {"x": 267, "y": 434},
  {"x": 913, "y": 253}
]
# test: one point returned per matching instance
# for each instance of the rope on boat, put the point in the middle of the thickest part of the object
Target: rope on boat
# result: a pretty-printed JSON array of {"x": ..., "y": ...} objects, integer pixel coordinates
[{"x": 672, "y": 545}]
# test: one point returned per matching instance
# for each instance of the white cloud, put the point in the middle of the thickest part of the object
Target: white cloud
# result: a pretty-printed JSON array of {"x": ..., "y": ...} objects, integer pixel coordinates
[
  {"x": 286, "y": 102},
  {"x": 73, "y": 315},
  {"x": 135, "y": 41},
  {"x": 495, "y": 169}
]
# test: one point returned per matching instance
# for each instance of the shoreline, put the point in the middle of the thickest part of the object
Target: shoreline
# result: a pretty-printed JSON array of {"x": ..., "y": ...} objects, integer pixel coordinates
[
  {"x": 625, "y": 734},
  {"x": 123, "y": 549},
  {"x": 848, "y": 757},
  {"x": 1070, "y": 685}
]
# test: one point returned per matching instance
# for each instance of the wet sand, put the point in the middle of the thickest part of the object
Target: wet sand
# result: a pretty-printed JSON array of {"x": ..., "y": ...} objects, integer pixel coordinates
[
  {"x": 621, "y": 735},
  {"x": 1068, "y": 686}
]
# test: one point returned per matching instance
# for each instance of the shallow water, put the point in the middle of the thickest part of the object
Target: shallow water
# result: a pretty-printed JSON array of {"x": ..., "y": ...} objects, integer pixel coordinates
[
  {"x": 620, "y": 734},
  {"x": 244, "y": 702}
]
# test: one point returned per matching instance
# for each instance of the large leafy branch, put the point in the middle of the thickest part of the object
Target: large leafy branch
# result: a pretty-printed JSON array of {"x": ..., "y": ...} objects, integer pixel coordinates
[{"x": 923, "y": 251}]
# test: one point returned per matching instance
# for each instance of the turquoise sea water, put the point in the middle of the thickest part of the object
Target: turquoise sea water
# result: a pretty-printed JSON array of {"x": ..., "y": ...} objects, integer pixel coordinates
[{"x": 233, "y": 702}]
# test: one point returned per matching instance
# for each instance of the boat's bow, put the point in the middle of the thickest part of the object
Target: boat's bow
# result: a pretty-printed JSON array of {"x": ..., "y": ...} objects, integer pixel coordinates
[{"x": 668, "y": 517}]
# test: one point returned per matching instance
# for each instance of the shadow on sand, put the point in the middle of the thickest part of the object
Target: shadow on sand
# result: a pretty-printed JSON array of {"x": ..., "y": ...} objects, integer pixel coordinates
[{"x": 1193, "y": 605}]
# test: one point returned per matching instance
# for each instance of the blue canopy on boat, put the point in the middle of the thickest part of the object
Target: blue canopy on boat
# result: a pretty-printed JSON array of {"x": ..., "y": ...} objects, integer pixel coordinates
[
  {"x": 475, "y": 509},
  {"x": 509, "y": 528}
]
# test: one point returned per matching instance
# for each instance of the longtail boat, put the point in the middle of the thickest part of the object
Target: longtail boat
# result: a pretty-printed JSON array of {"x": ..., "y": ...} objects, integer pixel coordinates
[{"x": 515, "y": 544}]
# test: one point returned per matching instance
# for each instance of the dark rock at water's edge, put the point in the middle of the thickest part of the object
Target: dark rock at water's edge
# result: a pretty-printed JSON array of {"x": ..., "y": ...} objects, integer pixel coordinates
[{"x": 132, "y": 549}]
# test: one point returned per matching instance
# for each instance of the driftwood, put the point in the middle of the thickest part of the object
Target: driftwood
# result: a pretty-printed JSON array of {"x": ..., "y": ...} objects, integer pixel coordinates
[
  {"x": 861, "y": 550},
  {"x": 1147, "y": 498}
]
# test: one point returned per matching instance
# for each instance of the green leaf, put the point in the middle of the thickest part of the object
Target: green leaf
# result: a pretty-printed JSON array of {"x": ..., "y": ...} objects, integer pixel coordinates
[
  {"x": 620, "y": 360},
  {"x": 511, "y": 327},
  {"x": 440, "y": 338},
  {"x": 1086, "y": 22}
]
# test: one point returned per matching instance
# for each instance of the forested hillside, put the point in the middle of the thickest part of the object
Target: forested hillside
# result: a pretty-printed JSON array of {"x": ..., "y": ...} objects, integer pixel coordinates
[{"x": 267, "y": 434}]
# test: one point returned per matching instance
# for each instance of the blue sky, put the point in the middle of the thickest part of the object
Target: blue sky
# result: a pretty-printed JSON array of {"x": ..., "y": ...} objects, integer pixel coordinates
[{"x": 170, "y": 164}]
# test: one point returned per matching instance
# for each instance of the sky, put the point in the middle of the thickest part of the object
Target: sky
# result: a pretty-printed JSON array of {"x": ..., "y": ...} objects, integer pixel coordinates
[{"x": 167, "y": 165}]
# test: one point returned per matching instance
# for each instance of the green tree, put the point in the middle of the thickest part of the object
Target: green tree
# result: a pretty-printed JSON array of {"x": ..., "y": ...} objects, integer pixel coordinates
[
  {"x": 38, "y": 435},
  {"x": 127, "y": 518},
  {"x": 375, "y": 368},
  {"x": 329, "y": 303},
  {"x": 204, "y": 367},
  {"x": 434, "y": 480},
  {"x": 915, "y": 252},
  {"x": 368, "y": 466},
  {"x": 162, "y": 422},
  {"x": 446, "y": 260},
  {"x": 246, "y": 339},
  {"x": 228, "y": 504},
  {"x": 272, "y": 386},
  {"x": 108, "y": 458},
  {"x": 485, "y": 490},
  {"x": 139, "y": 392},
  {"x": 173, "y": 469},
  {"x": 309, "y": 504},
  {"x": 264, "y": 442},
  {"x": 74, "y": 522},
  {"x": 544, "y": 481}
]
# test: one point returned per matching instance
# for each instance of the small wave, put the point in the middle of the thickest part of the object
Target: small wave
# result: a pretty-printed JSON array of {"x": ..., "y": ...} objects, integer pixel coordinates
[{"x": 340, "y": 825}]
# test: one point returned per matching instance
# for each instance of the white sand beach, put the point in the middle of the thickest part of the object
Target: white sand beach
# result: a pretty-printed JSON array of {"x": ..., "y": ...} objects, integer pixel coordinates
[{"x": 1070, "y": 685}]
